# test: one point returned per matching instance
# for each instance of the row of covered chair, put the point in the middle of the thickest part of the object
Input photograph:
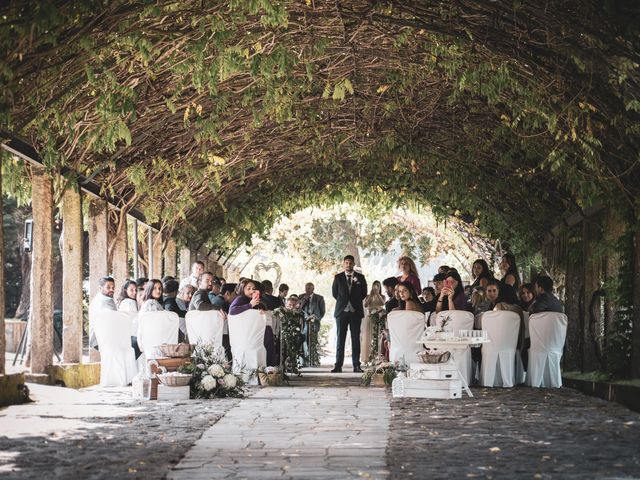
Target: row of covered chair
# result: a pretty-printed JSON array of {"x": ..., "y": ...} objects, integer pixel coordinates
[
  {"x": 501, "y": 366},
  {"x": 114, "y": 329}
]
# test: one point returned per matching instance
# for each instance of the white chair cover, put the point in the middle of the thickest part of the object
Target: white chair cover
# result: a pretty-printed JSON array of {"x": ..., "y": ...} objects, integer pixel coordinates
[
  {"x": 204, "y": 327},
  {"x": 499, "y": 354},
  {"x": 117, "y": 358},
  {"x": 406, "y": 328},
  {"x": 459, "y": 320},
  {"x": 156, "y": 328},
  {"x": 246, "y": 335},
  {"x": 548, "y": 332}
]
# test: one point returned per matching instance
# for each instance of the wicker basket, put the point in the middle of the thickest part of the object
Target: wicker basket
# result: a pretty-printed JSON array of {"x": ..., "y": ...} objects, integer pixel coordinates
[
  {"x": 270, "y": 379},
  {"x": 173, "y": 380},
  {"x": 426, "y": 357},
  {"x": 179, "y": 350}
]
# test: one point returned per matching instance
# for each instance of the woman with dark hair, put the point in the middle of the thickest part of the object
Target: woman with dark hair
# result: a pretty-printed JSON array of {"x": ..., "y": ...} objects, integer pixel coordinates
[
  {"x": 409, "y": 273},
  {"x": 408, "y": 297},
  {"x": 481, "y": 273},
  {"x": 152, "y": 298},
  {"x": 247, "y": 298},
  {"x": 527, "y": 295},
  {"x": 452, "y": 295},
  {"x": 126, "y": 300},
  {"x": 509, "y": 269}
]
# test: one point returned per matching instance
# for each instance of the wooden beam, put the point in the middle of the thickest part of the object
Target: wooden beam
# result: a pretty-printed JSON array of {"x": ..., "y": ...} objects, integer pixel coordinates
[
  {"x": 41, "y": 314},
  {"x": 72, "y": 276}
]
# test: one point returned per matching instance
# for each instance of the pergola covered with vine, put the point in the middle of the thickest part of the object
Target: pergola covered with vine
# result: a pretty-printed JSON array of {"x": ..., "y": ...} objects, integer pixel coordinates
[{"x": 212, "y": 119}]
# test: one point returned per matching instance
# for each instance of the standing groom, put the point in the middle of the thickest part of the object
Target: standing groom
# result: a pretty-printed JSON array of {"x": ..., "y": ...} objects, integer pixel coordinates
[{"x": 349, "y": 289}]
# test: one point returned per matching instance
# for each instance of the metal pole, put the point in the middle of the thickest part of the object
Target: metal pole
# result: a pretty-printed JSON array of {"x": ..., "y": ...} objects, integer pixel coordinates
[
  {"x": 150, "y": 238},
  {"x": 135, "y": 249}
]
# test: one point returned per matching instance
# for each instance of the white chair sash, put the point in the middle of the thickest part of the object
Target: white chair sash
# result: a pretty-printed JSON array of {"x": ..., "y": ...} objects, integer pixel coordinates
[
  {"x": 548, "y": 331},
  {"x": 205, "y": 327},
  {"x": 156, "y": 328},
  {"x": 459, "y": 320},
  {"x": 246, "y": 335},
  {"x": 406, "y": 328},
  {"x": 117, "y": 358},
  {"x": 498, "y": 367}
]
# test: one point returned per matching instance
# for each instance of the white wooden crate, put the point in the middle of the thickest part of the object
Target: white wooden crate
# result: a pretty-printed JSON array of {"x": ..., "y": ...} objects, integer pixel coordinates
[
  {"x": 432, "y": 388},
  {"x": 173, "y": 393}
]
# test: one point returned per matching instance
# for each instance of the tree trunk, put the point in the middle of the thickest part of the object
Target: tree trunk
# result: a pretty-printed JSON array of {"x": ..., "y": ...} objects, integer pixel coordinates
[
  {"x": 25, "y": 265},
  {"x": 72, "y": 258},
  {"x": 98, "y": 245},
  {"x": 2, "y": 337},
  {"x": 186, "y": 259},
  {"x": 170, "y": 253},
  {"x": 41, "y": 316},
  {"x": 119, "y": 259},
  {"x": 635, "y": 345},
  {"x": 157, "y": 254}
]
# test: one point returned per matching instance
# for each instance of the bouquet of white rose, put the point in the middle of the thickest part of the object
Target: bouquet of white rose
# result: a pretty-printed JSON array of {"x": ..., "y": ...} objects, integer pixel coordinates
[{"x": 212, "y": 375}]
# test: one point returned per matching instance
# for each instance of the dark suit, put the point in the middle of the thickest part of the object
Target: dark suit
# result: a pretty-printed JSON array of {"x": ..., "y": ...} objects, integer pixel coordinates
[
  {"x": 200, "y": 301},
  {"x": 349, "y": 312},
  {"x": 546, "y": 302}
]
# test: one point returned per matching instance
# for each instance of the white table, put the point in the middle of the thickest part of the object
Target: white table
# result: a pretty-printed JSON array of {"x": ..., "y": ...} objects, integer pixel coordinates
[{"x": 454, "y": 345}]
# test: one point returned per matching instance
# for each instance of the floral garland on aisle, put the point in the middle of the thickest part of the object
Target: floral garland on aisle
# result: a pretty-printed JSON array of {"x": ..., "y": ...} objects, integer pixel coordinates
[
  {"x": 290, "y": 338},
  {"x": 378, "y": 319},
  {"x": 212, "y": 374}
]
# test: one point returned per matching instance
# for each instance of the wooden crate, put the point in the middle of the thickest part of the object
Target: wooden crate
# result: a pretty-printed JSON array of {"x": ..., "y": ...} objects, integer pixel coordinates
[{"x": 438, "y": 389}]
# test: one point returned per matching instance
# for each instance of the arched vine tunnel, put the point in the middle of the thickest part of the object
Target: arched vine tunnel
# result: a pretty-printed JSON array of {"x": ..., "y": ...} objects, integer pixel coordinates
[{"x": 215, "y": 118}]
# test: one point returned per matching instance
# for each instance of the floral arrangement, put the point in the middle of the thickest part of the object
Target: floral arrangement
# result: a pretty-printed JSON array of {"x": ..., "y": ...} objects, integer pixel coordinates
[
  {"x": 290, "y": 338},
  {"x": 211, "y": 374},
  {"x": 270, "y": 376},
  {"x": 388, "y": 370},
  {"x": 378, "y": 320}
]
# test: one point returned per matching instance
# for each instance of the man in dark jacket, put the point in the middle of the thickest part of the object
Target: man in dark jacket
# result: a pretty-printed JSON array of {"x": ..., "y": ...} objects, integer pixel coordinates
[
  {"x": 200, "y": 300},
  {"x": 545, "y": 300},
  {"x": 170, "y": 290}
]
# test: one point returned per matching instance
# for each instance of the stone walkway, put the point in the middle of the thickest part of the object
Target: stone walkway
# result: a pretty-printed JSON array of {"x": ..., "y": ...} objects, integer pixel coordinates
[{"x": 298, "y": 432}]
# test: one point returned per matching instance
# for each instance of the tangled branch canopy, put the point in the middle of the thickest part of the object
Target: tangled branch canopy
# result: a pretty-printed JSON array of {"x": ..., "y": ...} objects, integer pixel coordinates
[{"x": 215, "y": 118}]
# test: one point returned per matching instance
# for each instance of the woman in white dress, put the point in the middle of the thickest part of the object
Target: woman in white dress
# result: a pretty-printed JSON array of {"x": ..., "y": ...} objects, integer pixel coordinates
[
  {"x": 152, "y": 299},
  {"x": 372, "y": 303},
  {"x": 126, "y": 301}
]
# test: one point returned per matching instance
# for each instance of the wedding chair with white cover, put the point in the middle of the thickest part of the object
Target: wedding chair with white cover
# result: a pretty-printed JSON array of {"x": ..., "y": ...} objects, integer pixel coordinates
[
  {"x": 246, "y": 335},
  {"x": 117, "y": 357},
  {"x": 458, "y": 320},
  {"x": 498, "y": 368},
  {"x": 548, "y": 331},
  {"x": 156, "y": 328},
  {"x": 205, "y": 327},
  {"x": 406, "y": 328}
]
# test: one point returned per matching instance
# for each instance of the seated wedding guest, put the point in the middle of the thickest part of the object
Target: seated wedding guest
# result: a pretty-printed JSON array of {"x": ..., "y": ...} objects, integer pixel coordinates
[
  {"x": 409, "y": 298},
  {"x": 170, "y": 300},
  {"x": 228, "y": 292},
  {"x": 452, "y": 294},
  {"x": 409, "y": 273},
  {"x": 438, "y": 282},
  {"x": 293, "y": 302},
  {"x": 283, "y": 291},
  {"x": 101, "y": 302},
  {"x": 166, "y": 278},
  {"x": 468, "y": 290},
  {"x": 141, "y": 284},
  {"x": 126, "y": 301},
  {"x": 443, "y": 269},
  {"x": 197, "y": 269},
  {"x": 184, "y": 297},
  {"x": 481, "y": 273},
  {"x": 527, "y": 294},
  {"x": 214, "y": 295},
  {"x": 390, "y": 287},
  {"x": 429, "y": 298},
  {"x": 492, "y": 291},
  {"x": 152, "y": 299},
  {"x": 545, "y": 300},
  {"x": 272, "y": 302},
  {"x": 477, "y": 297},
  {"x": 200, "y": 300},
  {"x": 222, "y": 281},
  {"x": 509, "y": 269}
]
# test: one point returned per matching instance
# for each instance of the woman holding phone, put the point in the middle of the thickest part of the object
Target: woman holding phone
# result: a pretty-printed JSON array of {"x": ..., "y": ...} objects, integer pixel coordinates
[{"x": 452, "y": 295}]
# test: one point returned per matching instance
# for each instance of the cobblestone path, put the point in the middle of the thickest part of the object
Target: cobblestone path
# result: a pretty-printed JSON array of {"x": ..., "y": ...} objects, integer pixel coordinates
[{"x": 298, "y": 432}]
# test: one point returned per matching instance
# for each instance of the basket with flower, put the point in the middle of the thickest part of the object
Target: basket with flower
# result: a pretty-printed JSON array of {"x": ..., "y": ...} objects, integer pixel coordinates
[
  {"x": 270, "y": 376},
  {"x": 211, "y": 374}
]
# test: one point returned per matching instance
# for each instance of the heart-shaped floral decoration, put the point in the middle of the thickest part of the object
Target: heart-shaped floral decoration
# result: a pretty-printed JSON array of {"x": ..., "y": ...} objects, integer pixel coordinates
[{"x": 260, "y": 273}]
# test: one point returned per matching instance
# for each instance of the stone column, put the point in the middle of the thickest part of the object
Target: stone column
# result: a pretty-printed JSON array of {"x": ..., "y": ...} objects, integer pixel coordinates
[
  {"x": 72, "y": 315},
  {"x": 150, "y": 272},
  {"x": 2, "y": 328},
  {"x": 98, "y": 247},
  {"x": 185, "y": 262},
  {"x": 170, "y": 258},
  {"x": 119, "y": 249},
  {"x": 157, "y": 255},
  {"x": 41, "y": 314}
]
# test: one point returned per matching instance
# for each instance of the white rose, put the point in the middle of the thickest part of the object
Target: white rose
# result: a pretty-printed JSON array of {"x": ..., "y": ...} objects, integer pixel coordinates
[
  {"x": 229, "y": 380},
  {"x": 208, "y": 383},
  {"x": 216, "y": 370}
]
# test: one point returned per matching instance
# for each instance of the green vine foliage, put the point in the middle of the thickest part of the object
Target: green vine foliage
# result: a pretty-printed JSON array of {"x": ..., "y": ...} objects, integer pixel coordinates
[{"x": 217, "y": 118}]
